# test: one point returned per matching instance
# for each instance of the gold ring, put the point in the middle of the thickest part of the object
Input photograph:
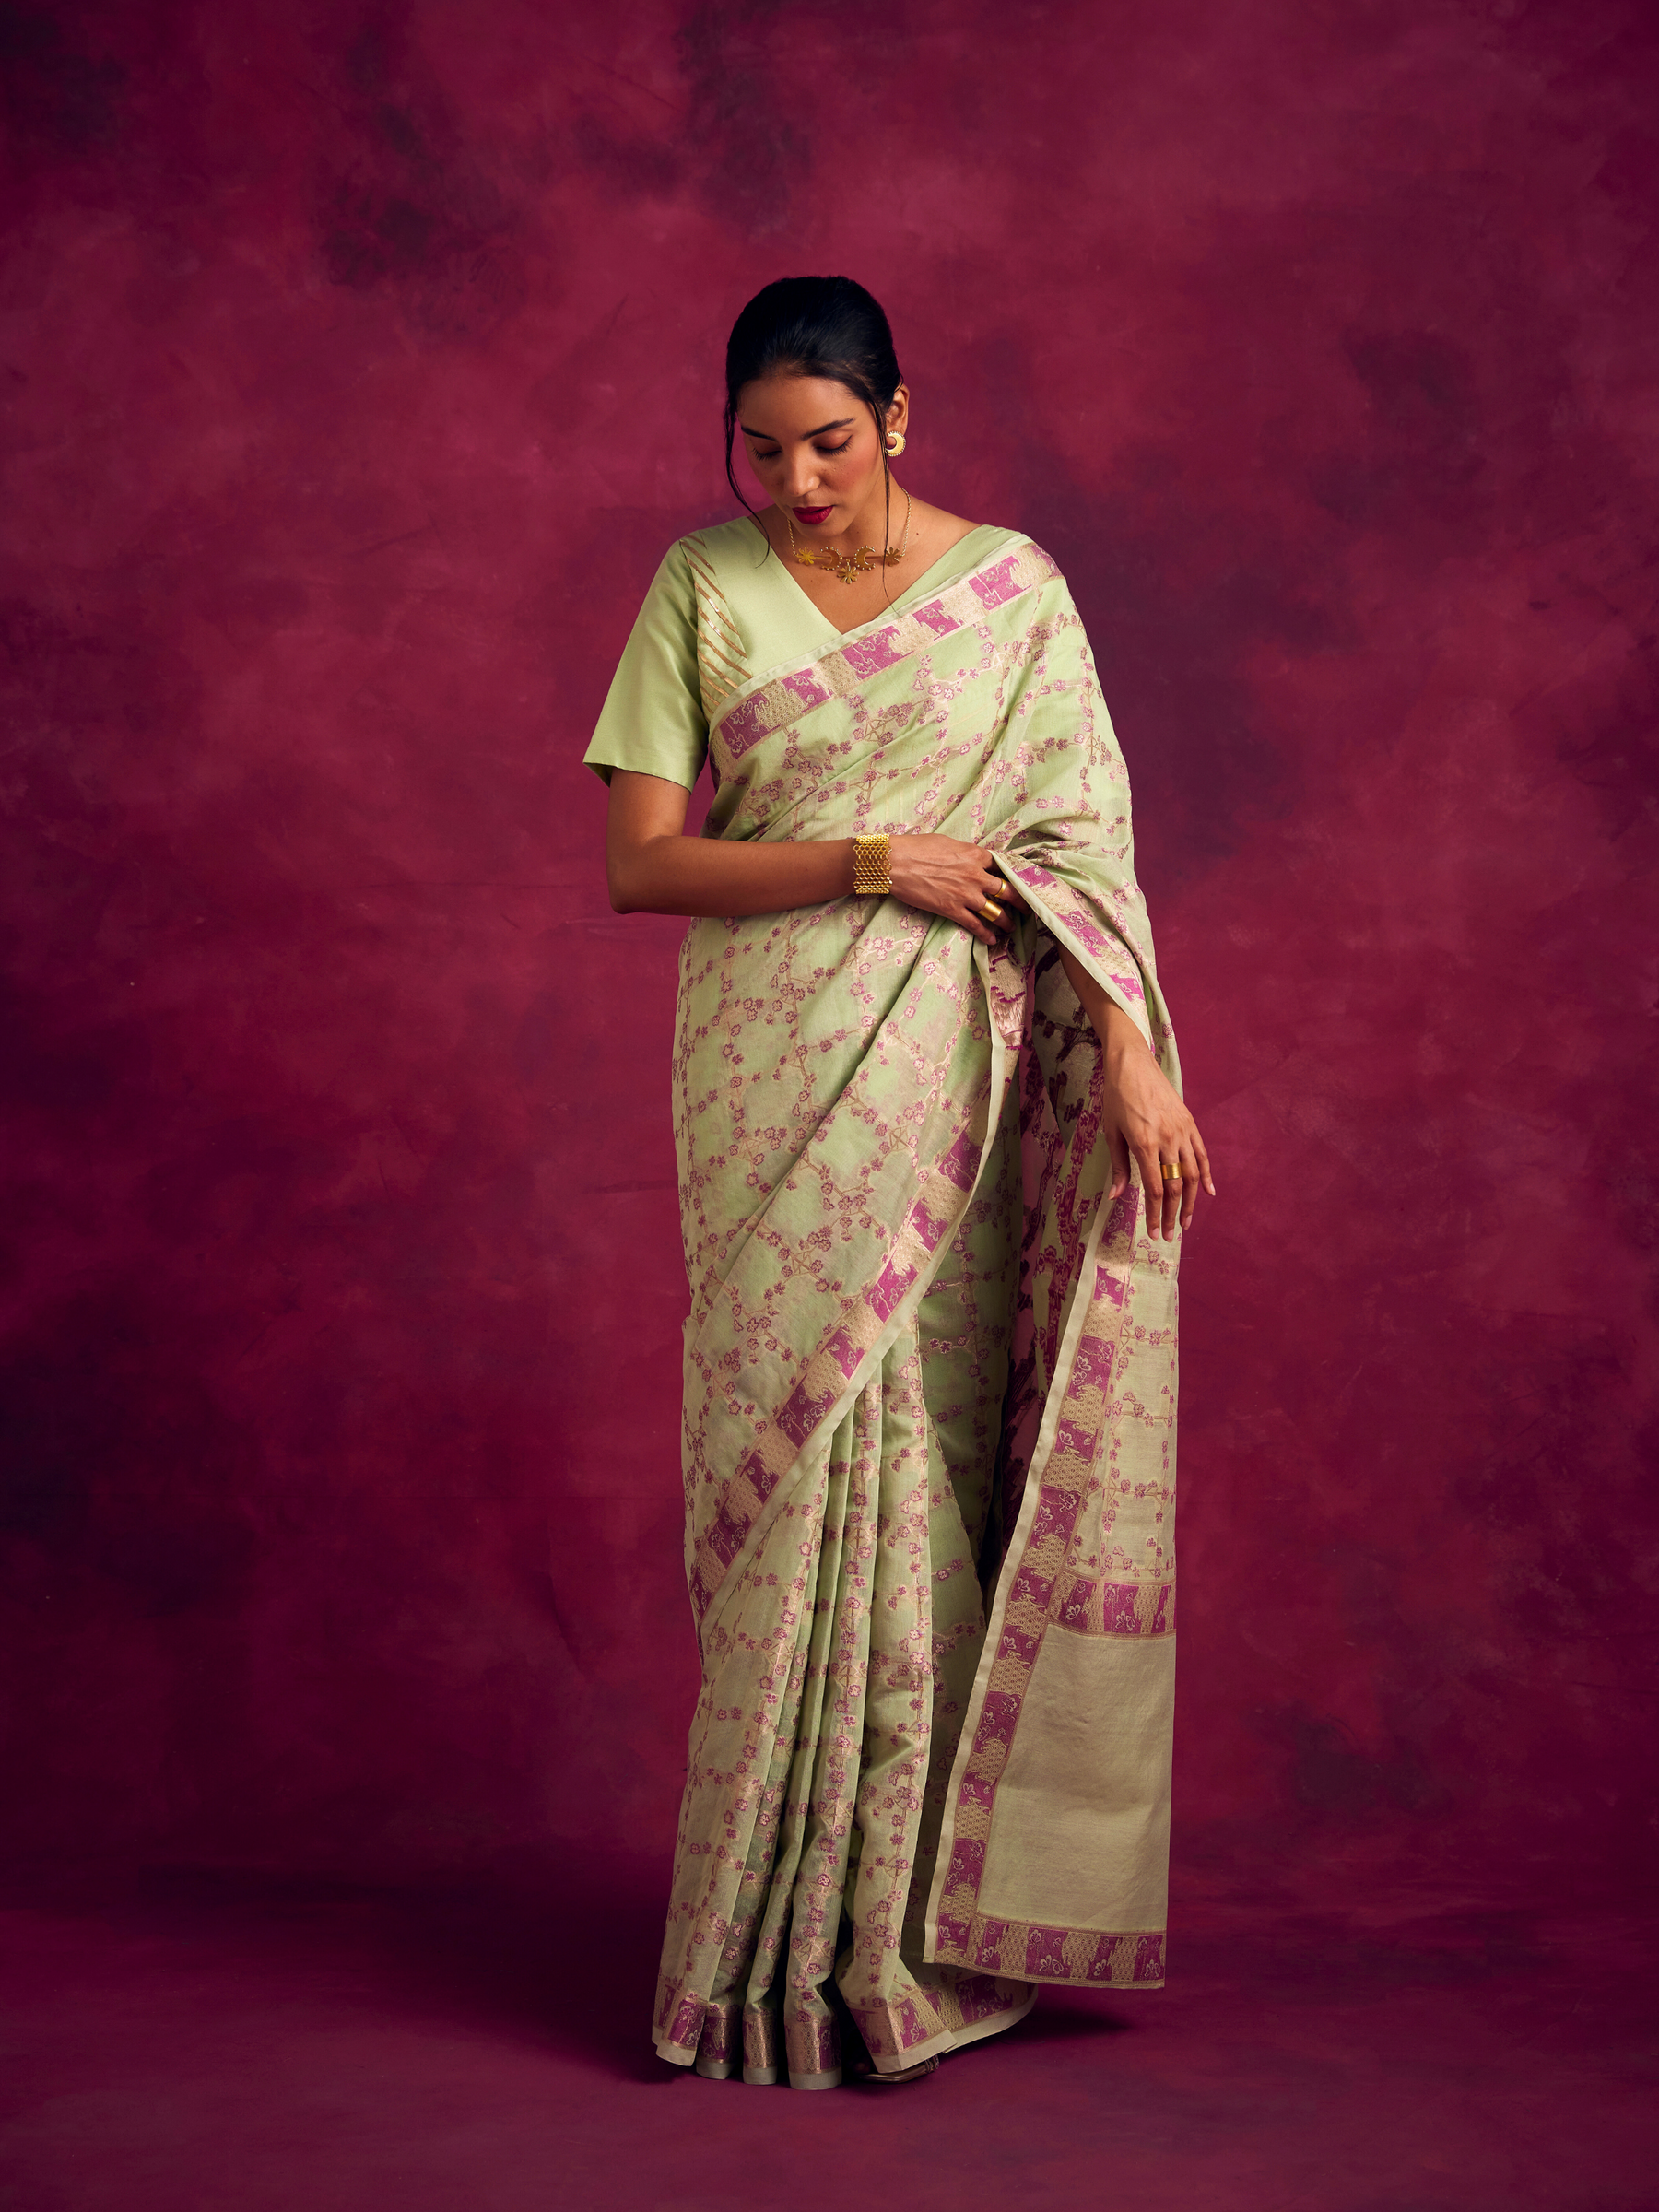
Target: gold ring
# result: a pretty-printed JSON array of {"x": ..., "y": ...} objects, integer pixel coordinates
[
  {"x": 991, "y": 911},
  {"x": 1171, "y": 1171}
]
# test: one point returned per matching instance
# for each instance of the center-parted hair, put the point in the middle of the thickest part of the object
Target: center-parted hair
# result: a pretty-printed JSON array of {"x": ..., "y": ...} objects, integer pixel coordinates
[{"x": 826, "y": 326}]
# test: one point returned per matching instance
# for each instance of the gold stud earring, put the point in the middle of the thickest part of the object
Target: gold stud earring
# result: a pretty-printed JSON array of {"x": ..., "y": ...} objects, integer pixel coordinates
[{"x": 895, "y": 443}]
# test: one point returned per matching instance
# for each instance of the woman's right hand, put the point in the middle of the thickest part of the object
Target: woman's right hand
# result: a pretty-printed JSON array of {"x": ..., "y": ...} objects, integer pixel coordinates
[{"x": 942, "y": 876}]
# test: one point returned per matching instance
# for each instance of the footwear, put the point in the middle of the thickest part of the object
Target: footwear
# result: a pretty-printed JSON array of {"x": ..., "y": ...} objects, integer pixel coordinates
[{"x": 919, "y": 2071}]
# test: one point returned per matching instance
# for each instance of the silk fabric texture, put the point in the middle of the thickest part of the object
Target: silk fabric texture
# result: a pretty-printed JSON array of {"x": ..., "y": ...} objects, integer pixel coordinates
[{"x": 930, "y": 1366}]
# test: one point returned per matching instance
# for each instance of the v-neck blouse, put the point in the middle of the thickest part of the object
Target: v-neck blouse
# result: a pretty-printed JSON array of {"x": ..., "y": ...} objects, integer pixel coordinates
[{"x": 722, "y": 610}]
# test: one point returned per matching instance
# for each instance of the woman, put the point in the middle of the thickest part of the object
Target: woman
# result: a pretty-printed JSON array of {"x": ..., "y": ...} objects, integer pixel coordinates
[{"x": 932, "y": 1161}]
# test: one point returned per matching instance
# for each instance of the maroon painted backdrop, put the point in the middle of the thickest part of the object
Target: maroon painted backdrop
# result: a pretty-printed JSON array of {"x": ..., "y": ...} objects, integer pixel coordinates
[{"x": 358, "y": 363}]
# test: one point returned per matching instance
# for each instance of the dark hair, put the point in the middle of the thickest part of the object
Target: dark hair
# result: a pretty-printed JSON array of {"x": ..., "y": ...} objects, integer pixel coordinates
[{"x": 813, "y": 326}]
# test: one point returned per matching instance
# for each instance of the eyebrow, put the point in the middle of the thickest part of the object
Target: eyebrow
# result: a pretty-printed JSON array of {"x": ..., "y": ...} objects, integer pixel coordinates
[{"x": 842, "y": 424}]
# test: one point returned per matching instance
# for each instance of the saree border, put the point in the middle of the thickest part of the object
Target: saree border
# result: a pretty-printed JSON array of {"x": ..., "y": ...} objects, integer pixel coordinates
[
  {"x": 1038, "y": 1592},
  {"x": 773, "y": 702}
]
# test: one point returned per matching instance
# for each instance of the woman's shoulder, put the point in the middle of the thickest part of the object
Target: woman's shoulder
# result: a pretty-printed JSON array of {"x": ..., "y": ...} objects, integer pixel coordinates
[
  {"x": 719, "y": 545},
  {"x": 955, "y": 534},
  {"x": 994, "y": 536}
]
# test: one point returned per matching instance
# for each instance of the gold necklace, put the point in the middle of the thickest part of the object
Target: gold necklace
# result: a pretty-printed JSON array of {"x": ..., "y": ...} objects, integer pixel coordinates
[{"x": 848, "y": 565}]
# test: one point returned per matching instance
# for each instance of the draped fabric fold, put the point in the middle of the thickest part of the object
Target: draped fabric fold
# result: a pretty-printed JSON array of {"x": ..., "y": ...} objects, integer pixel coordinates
[{"x": 930, "y": 1372}]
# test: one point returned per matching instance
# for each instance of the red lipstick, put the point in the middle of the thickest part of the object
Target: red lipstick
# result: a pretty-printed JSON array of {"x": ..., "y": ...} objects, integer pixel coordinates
[{"x": 809, "y": 516}]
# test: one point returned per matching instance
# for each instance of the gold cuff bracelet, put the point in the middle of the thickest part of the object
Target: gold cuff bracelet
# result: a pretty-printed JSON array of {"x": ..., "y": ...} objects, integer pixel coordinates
[{"x": 872, "y": 866}]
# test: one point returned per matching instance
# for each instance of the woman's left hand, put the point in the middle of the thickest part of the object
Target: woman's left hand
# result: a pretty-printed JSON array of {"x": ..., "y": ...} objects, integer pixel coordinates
[{"x": 1145, "y": 1120}]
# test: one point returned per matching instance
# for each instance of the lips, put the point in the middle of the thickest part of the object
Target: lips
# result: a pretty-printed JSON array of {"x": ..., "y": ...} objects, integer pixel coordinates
[{"x": 809, "y": 516}]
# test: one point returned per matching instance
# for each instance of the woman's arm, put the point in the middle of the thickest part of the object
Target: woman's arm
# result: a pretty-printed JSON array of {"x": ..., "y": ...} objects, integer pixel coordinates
[
  {"x": 1144, "y": 1114},
  {"x": 653, "y": 867}
]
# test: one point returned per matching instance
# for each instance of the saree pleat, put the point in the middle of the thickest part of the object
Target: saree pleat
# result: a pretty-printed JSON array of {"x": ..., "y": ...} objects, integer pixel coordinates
[
  {"x": 845, "y": 1826},
  {"x": 929, "y": 1421}
]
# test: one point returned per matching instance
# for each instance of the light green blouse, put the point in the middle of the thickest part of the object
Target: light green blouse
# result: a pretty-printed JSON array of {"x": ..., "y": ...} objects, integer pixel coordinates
[{"x": 722, "y": 610}]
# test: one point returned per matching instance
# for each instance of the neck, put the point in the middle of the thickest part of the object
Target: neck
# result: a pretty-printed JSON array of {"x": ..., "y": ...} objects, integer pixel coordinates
[{"x": 878, "y": 524}]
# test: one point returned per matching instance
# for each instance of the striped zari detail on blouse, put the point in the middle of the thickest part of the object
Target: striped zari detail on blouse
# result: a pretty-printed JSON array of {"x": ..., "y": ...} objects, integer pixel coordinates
[{"x": 721, "y": 661}]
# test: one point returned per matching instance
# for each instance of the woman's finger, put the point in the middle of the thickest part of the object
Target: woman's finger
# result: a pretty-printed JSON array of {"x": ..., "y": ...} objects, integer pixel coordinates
[
  {"x": 1009, "y": 894},
  {"x": 1152, "y": 1184},
  {"x": 1202, "y": 1156},
  {"x": 991, "y": 890},
  {"x": 1120, "y": 1160},
  {"x": 1188, "y": 1185},
  {"x": 1174, "y": 1189}
]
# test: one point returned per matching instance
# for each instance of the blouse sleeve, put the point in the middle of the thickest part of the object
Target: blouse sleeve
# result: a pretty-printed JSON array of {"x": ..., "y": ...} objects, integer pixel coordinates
[{"x": 653, "y": 722}]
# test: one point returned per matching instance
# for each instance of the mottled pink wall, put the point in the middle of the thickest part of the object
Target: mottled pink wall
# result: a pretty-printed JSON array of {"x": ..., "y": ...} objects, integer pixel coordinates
[{"x": 358, "y": 361}]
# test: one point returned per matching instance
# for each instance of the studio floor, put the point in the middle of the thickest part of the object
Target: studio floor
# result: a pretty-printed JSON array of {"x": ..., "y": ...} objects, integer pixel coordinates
[{"x": 193, "y": 2044}]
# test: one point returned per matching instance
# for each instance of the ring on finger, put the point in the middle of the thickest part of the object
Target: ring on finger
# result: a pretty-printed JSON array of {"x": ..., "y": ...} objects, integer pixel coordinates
[
  {"x": 991, "y": 911},
  {"x": 1172, "y": 1171}
]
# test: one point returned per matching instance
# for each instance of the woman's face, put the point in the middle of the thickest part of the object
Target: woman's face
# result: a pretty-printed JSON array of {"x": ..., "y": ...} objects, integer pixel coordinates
[{"x": 812, "y": 445}]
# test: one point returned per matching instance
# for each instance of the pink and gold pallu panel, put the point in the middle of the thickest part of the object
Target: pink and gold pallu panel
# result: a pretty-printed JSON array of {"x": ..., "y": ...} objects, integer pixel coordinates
[{"x": 1054, "y": 1858}]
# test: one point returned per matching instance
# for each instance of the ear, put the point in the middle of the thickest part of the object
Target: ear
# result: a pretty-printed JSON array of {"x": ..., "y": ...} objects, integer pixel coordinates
[{"x": 898, "y": 413}]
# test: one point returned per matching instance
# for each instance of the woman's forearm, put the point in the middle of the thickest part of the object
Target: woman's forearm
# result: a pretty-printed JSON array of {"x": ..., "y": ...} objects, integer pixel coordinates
[
  {"x": 672, "y": 874},
  {"x": 1115, "y": 1029},
  {"x": 653, "y": 867}
]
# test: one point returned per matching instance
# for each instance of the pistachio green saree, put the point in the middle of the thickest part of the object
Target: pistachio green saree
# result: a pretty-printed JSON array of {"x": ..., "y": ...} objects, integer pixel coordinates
[{"x": 929, "y": 1445}]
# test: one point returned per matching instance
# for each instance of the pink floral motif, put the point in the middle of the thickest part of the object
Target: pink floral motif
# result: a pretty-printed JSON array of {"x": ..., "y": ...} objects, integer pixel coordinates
[
  {"x": 871, "y": 655},
  {"x": 1150, "y": 1958},
  {"x": 760, "y": 1479},
  {"x": 954, "y": 1932},
  {"x": 1091, "y": 1370},
  {"x": 1070, "y": 1436},
  {"x": 1056, "y": 1515},
  {"x": 744, "y": 727},
  {"x": 846, "y": 1354},
  {"x": 960, "y": 1165},
  {"x": 1118, "y": 1606},
  {"x": 996, "y": 585},
  {"x": 1043, "y": 1953},
  {"x": 930, "y": 1227},
  {"x": 998, "y": 1719},
  {"x": 807, "y": 688},
  {"x": 1038, "y": 878},
  {"x": 1031, "y": 1588},
  {"x": 936, "y": 616},
  {"x": 988, "y": 1950},
  {"x": 726, "y": 1536},
  {"x": 979, "y": 1998},
  {"x": 967, "y": 1864},
  {"x": 802, "y": 1411},
  {"x": 888, "y": 1290}
]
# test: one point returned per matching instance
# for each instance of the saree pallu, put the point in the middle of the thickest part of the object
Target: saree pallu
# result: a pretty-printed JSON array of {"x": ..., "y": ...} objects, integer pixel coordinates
[{"x": 929, "y": 1441}]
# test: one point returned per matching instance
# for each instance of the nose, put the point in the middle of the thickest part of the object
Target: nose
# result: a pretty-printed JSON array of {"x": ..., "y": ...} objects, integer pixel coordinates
[{"x": 800, "y": 478}]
